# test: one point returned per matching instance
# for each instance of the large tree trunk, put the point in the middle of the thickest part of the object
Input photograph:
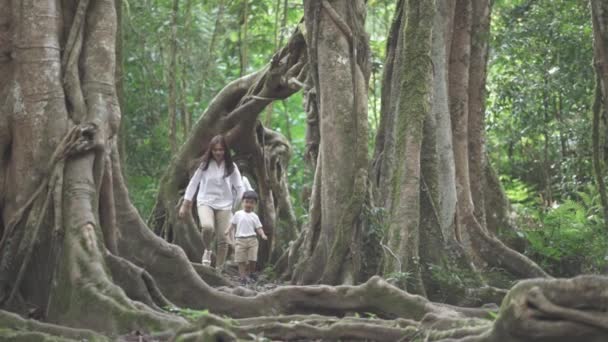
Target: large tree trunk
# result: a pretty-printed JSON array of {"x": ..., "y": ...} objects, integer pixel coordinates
[
  {"x": 599, "y": 12},
  {"x": 416, "y": 152},
  {"x": 480, "y": 32},
  {"x": 172, "y": 77},
  {"x": 383, "y": 162},
  {"x": 459, "y": 108},
  {"x": 481, "y": 246},
  {"x": 339, "y": 55},
  {"x": 412, "y": 108},
  {"x": 436, "y": 226}
]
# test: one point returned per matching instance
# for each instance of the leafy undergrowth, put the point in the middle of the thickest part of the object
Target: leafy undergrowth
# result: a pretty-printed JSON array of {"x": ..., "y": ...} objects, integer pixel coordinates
[
  {"x": 189, "y": 314},
  {"x": 566, "y": 238}
]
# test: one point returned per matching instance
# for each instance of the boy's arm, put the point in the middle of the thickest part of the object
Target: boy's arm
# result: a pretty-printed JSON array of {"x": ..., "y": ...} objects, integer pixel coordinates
[
  {"x": 259, "y": 228},
  {"x": 260, "y": 231}
]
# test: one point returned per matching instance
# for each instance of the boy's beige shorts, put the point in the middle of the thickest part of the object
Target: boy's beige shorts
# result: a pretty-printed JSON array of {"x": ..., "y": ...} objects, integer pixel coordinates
[{"x": 246, "y": 249}]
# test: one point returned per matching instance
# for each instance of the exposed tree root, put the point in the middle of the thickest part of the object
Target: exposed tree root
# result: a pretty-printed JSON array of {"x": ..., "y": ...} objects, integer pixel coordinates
[
  {"x": 136, "y": 282},
  {"x": 496, "y": 253},
  {"x": 539, "y": 310},
  {"x": 329, "y": 331},
  {"x": 210, "y": 275},
  {"x": 183, "y": 286},
  {"x": 498, "y": 210},
  {"x": 84, "y": 296},
  {"x": 14, "y": 327},
  {"x": 555, "y": 310},
  {"x": 542, "y": 310},
  {"x": 301, "y": 328}
]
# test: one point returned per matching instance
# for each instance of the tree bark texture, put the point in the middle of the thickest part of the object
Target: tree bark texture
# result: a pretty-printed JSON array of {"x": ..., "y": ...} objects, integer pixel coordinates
[
  {"x": 439, "y": 156},
  {"x": 339, "y": 64},
  {"x": 412, "y": 107},
  {"x": 173, "y": 77},
  {"x": 482, "y": 247},
  {"x": 599, "y": 11},
  {"x": 480, "y": 37}
]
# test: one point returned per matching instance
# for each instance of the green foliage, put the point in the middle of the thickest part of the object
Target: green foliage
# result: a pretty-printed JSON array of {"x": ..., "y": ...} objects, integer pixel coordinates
[
  {"x": 570, "y": 238},
  {"x": 375, "y": 229},
  {"x": 189, "y": 314},
  {"x": 493, "y": 315},
  {"x": 269, "y": 273},
  {"x": 452, "y": 277},
  {"x": 399, "y": 279},
  {"x": 540, "y": 84},
  {"x": 203, "y": 71},
  {"x": 518, "y": 192}
]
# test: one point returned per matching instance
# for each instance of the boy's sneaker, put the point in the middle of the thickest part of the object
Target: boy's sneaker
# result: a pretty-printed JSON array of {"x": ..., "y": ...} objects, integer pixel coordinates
[
  {"x": 207, "y": 258},
  {"x": 243, "y": 281},
  {"x": 253, "y": 276}
]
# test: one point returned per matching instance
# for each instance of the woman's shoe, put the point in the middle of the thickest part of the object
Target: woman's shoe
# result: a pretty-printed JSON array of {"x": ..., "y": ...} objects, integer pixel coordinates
[{"x": 207, "y": 258}]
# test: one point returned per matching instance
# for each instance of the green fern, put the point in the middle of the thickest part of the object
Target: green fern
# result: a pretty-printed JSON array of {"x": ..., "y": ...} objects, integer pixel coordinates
[{"x": 570, "y": 237}]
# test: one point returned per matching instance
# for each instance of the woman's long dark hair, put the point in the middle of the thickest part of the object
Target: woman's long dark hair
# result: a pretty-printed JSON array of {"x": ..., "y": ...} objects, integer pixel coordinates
[{"x": 228, "y": 164}]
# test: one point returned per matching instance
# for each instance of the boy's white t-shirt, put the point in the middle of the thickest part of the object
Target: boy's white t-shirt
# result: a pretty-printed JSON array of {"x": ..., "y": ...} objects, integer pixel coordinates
[{"x": 246, "y": 223}]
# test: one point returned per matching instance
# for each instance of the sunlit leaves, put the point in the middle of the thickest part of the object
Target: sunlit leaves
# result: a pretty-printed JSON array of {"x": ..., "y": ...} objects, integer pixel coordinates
[{"x": 540, "y": 84}]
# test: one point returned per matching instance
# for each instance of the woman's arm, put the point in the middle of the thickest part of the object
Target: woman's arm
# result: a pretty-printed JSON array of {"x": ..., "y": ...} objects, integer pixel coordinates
[
  {"x": 237, "y": 184},
  {"x": 230, "y": 229},
  {"x": 194, "y": 182},
  {"x": 190, "y": 191}
]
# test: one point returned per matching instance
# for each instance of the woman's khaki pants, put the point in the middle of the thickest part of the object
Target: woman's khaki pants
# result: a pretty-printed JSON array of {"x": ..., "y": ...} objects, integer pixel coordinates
[{"x": 216, "y": 222}]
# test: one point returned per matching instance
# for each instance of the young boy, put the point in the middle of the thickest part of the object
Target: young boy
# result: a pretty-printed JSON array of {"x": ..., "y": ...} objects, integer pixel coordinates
[{"x": 246, "y": 223}]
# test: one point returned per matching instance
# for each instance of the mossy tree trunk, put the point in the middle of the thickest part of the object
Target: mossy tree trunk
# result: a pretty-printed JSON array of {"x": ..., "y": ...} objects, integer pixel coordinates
[
  {"x": 339, "y": 68},
  {"x": 437, "y": 153},
  {"x": 599, "y": 12},
  {"x": 413, "y": 105}
]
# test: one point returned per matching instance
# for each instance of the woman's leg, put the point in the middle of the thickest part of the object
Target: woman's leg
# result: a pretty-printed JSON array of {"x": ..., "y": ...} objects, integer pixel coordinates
[
  {"x": 222, "y": 223},
  {"x": 206, "y": 217}
]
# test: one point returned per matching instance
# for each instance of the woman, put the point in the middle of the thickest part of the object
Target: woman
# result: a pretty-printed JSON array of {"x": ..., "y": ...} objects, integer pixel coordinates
[{"x": 215, "y": 178}]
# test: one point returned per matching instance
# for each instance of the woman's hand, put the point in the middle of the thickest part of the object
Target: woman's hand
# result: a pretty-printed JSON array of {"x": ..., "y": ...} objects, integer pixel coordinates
[
  {"x": 230, "y": 229},
  {"x": 184, "y": 209}
]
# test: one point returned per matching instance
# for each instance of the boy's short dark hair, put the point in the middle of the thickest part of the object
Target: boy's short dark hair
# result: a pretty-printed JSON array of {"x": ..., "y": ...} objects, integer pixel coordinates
[{"x": 250, "y": 194}]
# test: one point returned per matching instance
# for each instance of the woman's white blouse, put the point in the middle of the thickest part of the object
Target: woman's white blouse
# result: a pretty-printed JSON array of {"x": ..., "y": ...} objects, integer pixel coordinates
[{"x": 214, "y": 189}]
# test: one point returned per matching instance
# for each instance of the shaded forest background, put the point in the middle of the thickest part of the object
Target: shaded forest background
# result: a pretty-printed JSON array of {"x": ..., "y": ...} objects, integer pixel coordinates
[{"x": 177, "y": 54}]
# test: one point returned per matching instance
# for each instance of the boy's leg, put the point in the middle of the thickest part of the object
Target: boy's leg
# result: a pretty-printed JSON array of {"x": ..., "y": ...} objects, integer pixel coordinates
[
  {"x": 251, "y": 269},
  {"x": 240, "y": 256},
  {"x": 206, "y": 217},
  {"x": 252, "y": 255},
  {"x": 222, "y": 224},
  {"x": 242, "y": 270}
]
